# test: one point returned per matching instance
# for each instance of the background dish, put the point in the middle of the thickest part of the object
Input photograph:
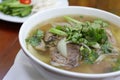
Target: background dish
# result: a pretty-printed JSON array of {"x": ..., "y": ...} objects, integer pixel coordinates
[{"x": 60, "y": 3}]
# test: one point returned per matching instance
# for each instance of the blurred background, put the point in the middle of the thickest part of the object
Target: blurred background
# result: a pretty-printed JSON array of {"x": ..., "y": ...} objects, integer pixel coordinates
[{"x": 108, "y": 5}]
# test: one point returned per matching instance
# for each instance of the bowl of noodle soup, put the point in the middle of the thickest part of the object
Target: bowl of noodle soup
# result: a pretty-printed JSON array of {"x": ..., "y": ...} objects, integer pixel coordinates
[{"x": 73, "y": 43}]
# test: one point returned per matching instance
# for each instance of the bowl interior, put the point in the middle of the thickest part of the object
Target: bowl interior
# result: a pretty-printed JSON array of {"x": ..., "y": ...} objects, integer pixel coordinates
[{"x": 52, "y": 13}]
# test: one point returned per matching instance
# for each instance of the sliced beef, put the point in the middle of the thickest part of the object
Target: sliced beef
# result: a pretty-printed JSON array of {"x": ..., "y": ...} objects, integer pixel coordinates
[
  {"x": 56, "y": 58},
  {"x": 49, "y": 37},
  {"x": 72, "y": 60},
  {"x": 73, "y": 54}
]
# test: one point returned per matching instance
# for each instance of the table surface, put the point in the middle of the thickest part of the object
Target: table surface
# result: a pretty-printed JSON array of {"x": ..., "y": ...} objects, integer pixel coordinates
[{"x": 9, "y": 43}]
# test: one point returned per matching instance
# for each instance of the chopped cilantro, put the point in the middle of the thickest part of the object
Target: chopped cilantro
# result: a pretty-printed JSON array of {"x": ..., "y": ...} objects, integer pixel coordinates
[
  {"x": 91, "y": 34},
  {"x": 35, "y": 39}
]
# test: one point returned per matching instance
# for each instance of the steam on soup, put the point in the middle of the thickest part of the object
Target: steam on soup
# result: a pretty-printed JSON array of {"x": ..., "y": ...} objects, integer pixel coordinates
[{"x": 77, "y": 43}]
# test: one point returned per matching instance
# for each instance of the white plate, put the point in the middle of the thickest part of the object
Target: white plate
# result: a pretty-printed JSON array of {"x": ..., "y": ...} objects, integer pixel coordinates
[
  {"x": 22, "y": 69},
  {"x": 60, "y": 3}
]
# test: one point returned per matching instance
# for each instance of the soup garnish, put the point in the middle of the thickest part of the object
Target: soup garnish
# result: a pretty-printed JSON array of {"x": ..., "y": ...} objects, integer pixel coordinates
[{"x": 74, "y": 44}]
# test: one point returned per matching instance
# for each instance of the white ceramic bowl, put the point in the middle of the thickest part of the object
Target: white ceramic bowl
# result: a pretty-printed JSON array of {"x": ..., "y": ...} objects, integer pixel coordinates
[{"x": 52, "y": 73}]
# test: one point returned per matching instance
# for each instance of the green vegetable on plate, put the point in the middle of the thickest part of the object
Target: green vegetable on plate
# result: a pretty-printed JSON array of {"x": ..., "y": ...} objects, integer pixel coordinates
[{"x": 15, "y": 8}]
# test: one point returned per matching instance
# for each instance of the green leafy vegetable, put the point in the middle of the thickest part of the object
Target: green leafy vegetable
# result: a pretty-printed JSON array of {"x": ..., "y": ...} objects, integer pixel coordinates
[
  {"x": 88, "y": 55},
  {"x": 72, "y": 20},
  {"x": 106, "y": 47},
  {"x": 35, "y": 39},
  {"x": 96, "y": 35},
  {"x": 101, "y": 22},
  {"x": 91, "y": 36},
  {"x": 57, "y": 31},
  {"x": 15, "y": 8},
  {"x": 90, "y": 58}
]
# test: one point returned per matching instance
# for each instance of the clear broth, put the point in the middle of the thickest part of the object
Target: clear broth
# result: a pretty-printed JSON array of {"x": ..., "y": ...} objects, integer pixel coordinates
[{"x": 102, "y": 67}]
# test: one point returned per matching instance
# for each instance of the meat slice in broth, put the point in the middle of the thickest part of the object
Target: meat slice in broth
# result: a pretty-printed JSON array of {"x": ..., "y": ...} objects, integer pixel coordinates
[
  {"x": 49, "y": 37},
  {"x": 73, "y": 54},
  {"x": 72, "y": 60}
]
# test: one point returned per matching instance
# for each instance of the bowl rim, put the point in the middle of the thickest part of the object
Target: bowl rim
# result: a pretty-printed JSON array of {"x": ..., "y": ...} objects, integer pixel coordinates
[{"x": 57, "y": 70}]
